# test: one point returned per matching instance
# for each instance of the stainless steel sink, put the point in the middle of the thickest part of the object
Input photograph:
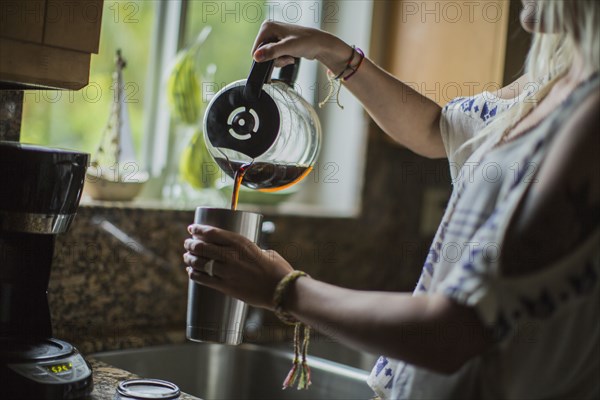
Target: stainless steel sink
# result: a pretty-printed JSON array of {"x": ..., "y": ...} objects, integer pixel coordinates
[{"x": 213, "y": 371}]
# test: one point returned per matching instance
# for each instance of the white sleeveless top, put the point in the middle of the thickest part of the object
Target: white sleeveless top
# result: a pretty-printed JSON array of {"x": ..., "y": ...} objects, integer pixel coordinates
[{"x": 547, "y": 322}]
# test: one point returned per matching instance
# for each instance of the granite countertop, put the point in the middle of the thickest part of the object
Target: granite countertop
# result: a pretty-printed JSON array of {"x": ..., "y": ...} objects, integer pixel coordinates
[{"x": 107, "y": 377}]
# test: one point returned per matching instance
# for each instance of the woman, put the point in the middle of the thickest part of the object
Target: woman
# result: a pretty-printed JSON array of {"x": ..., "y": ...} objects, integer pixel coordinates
[{"x": 517, "y": 315}]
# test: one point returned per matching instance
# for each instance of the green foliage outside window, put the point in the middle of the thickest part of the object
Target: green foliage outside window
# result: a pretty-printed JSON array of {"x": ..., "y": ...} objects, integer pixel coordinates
[{"x": 234, "y": 26}]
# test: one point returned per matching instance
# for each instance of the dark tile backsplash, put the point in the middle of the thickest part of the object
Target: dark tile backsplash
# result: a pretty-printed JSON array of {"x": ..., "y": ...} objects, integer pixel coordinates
[{"x": 105, "y": 295}]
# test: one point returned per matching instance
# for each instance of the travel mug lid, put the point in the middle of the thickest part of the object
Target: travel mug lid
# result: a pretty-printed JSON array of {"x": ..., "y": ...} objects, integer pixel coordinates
[{"x": 147, "y": 389}]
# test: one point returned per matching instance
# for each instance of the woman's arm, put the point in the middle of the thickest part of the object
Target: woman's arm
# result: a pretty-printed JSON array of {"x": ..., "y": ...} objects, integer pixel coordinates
[
  {"x": 404, "y": 114},
  {"x": 432, "y": 332},
  {"x": 429, "y": 331}
]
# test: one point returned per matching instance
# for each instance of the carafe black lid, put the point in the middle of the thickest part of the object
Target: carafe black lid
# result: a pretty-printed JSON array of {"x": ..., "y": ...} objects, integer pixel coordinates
[{"x": 244, "y": 118}]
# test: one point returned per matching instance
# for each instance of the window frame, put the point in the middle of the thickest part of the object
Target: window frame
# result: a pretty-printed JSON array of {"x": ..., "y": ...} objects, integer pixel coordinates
[{"x": 335, "y": 186}]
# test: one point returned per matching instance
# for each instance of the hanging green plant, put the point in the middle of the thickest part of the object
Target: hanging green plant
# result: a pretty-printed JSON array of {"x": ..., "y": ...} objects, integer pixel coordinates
[
  {"x": 196, "y": 165},
  {"x": 184, "y": 97},
  {"x": 183, "y": 89}
]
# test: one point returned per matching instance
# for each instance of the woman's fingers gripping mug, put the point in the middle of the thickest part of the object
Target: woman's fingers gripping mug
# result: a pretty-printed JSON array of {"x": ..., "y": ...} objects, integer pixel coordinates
[{"x": 211, "y": 315}]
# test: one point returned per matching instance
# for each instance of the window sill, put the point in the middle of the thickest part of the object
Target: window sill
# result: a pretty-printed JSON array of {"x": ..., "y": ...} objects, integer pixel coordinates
[{"x": 283, "y": 209}]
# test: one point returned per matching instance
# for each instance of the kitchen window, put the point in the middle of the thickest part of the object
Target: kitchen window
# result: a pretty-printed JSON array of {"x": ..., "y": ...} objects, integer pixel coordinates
[
  {"x": 149, "y": 33},
  {"x": 76, "y": 119}
]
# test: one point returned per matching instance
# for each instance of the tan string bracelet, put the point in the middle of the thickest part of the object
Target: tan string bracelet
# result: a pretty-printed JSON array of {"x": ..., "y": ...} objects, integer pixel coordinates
[
  {"x": 300, "y": 370},
  {"x": 339, "y": 78}
]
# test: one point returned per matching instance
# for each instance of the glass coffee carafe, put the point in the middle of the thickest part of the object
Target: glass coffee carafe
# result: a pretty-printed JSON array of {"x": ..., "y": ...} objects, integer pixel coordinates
[{"x": 264, "y": 128}]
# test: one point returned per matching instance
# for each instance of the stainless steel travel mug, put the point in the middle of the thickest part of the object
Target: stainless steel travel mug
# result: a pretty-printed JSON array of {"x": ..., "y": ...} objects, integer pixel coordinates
[{"x": 211, "y": 315}]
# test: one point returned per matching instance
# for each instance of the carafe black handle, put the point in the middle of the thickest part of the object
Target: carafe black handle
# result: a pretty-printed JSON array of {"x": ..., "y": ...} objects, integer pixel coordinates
[
  {"x": 289, "y": 73},
  {"x": 260, "y": 73}
]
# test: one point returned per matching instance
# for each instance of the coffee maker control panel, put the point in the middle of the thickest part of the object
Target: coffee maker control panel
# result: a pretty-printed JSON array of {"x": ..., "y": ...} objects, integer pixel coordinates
[{"x": 69, "y": 369}]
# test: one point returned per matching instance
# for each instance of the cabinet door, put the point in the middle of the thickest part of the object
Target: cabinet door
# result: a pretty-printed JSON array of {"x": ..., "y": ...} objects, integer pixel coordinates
[
  {"x": 73, "y": 25},
  {"x": 22, "y": 19},
  {"x": 446, "y": 49},
  {"x": 26, "y": 65}
]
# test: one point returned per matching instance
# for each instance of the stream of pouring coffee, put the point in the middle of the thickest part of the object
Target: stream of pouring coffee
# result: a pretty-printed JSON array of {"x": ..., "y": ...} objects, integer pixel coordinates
[{"x": 237, "y": 182}]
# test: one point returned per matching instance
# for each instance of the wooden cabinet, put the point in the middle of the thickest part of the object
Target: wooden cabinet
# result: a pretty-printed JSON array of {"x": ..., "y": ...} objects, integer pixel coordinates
[
  {"x": 48, "y": 43},
  {"x": 446, "y": 49}
]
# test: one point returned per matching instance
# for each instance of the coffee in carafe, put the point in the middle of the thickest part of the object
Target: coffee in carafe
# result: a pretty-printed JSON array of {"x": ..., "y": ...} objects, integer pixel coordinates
[
  {"x": 262, "y": 133},
  {"x": 261, "y": 176}
]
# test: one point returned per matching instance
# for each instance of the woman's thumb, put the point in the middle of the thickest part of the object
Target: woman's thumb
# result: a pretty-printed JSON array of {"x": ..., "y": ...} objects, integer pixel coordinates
[{"x": 267, "y": 52}]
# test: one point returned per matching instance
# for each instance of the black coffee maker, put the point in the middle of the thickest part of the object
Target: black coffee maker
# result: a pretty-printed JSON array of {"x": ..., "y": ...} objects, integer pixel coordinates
[{"x": 40, "y": 190}]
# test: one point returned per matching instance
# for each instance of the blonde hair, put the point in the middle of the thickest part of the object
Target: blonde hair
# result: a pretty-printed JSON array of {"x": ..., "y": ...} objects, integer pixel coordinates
[{"x": 571, "y": 25}]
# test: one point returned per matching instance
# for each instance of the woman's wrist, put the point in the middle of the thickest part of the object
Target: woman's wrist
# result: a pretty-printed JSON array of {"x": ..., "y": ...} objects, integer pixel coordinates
[
  {"x": 285, "y": 294},
  {"x": 334, "y": 53},
  {"x": 289, "y": 299}
]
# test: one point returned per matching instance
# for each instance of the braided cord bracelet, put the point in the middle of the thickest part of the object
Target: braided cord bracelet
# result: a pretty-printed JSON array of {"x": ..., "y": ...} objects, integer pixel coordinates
[
  {"x": 339, "y": 78},
  {"x": 300, "y": 370}
]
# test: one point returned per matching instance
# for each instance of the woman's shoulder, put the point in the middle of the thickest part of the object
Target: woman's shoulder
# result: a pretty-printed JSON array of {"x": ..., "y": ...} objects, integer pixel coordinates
[
  {"x": 514, "y": 89},
  {"x": 483, "y": 107}
]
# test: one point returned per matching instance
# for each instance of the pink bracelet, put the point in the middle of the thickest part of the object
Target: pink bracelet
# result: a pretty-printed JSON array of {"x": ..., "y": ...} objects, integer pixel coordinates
[
  {"x": 362, "y": 57},
  {"x": 338, "y": 76}
]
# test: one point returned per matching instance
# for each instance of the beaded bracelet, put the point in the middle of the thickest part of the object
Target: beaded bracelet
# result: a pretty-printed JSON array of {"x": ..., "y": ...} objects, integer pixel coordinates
[{"x": 300, "y": 370}]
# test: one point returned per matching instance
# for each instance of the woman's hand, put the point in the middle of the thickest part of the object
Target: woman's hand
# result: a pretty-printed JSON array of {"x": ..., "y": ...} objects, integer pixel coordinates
[
  {"x": 240, "y": 268},
  {"x": 283, "y": 42},
  {"x": 404, "y": 114}
]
